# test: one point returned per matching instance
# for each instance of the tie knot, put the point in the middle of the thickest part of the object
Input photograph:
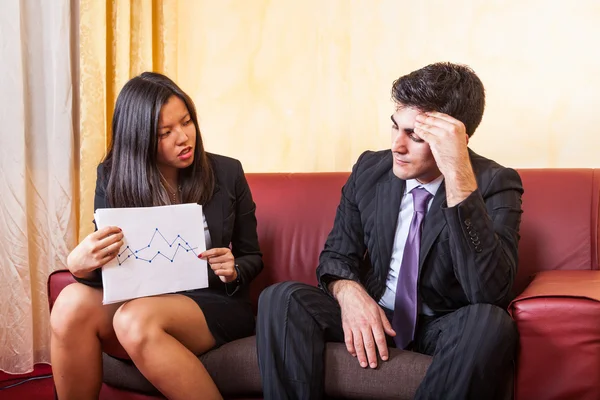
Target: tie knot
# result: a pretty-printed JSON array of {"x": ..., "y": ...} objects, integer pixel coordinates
[{"x": 420, "y": 199}]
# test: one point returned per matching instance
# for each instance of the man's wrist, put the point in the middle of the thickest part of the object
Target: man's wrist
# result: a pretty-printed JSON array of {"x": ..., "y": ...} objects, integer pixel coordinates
[
  {"x": 459, "y": 185},
  {"x": 338, "y": 287},
  {"x": 334, "y": 287},
  {"x": 454, "y": 198}
]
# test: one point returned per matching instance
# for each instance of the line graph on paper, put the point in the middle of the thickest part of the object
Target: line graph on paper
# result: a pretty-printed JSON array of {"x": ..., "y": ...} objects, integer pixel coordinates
[
  {"x": 148, "y": 253},
  {"x": 159, "y": 253}
]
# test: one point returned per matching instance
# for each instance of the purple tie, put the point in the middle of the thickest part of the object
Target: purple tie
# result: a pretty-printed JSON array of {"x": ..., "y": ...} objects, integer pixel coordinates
[{"x": 405, "y": 305}]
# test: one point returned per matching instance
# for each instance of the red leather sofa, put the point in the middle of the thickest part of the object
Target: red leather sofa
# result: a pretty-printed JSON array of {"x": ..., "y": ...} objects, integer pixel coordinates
[{"x": 557, "y": 310}]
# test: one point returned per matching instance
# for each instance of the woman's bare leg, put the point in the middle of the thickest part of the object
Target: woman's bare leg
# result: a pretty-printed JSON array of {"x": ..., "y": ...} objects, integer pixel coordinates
[
  {"x": 80, "y": 326},
  {"x": 162, "y": 335}
]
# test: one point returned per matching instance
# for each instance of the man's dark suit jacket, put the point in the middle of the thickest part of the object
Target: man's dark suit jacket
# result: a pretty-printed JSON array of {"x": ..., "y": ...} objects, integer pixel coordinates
[
  {"x": 468, "y": 252},
  {"x": 230, "y": 216}
]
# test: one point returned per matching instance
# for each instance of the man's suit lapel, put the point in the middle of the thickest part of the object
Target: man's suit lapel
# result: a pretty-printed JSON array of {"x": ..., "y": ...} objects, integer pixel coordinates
[
  {"x": 388, "y": 198},
  {"x": 433, "y": 224},
  {"x": 214, "y": 218}
]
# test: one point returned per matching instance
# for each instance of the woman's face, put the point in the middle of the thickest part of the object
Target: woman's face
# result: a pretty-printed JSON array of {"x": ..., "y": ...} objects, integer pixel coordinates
[{"x": 176, "y": 137}]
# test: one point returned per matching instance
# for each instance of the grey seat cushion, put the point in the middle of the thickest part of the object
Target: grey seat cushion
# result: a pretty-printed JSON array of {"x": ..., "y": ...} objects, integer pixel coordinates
[{"x": 234, "y": 369}]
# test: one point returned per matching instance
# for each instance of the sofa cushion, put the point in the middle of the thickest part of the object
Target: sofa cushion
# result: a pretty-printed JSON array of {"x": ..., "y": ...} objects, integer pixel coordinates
[
  {"x": 234, "y": 368},
  {"x": 397, "y": 378},
  {"x": 235, "y": 359}
]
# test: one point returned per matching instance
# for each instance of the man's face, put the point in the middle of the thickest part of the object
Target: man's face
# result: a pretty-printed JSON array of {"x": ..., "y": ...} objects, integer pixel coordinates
[{"x": 412, "y": 156}]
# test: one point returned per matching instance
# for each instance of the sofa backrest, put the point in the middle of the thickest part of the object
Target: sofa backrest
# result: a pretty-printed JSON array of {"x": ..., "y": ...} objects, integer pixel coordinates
[
  {"x": 295, "y": 213},
  {"x": 559, "y": 228}
]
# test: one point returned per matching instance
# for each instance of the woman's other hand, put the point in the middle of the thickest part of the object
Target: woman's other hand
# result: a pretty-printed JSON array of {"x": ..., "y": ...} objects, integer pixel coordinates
[{"x": 222, "y": 262}]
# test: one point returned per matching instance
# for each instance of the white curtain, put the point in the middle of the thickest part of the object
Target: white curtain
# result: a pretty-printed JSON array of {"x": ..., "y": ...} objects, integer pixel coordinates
[{"x": 38, "y": 169}]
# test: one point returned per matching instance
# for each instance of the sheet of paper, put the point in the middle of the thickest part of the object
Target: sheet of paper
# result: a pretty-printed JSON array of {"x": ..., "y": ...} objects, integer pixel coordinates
[{"x": 159, "y": 254}]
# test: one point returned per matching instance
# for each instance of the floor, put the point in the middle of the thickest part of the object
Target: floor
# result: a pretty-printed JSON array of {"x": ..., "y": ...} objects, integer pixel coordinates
[{"x": 34, "y": 389}]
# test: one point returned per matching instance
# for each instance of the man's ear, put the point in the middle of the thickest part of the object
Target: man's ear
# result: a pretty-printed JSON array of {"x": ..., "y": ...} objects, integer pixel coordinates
[{"x": 467, "y": 139}]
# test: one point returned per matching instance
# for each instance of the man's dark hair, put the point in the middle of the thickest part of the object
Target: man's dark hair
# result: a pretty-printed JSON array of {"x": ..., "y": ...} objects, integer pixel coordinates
[{"x": 452, "y": 89}]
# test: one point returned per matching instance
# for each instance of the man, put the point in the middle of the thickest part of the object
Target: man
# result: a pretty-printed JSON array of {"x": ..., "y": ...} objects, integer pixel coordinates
[{"x": 422, "y": 256}]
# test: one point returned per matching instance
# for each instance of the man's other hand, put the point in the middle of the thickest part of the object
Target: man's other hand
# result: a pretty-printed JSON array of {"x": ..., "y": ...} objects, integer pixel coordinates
[{"x": 364, "y": 322}]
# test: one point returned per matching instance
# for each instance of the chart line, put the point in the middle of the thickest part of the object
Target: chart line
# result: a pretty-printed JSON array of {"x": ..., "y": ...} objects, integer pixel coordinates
[{"x": 136, "y": 253}]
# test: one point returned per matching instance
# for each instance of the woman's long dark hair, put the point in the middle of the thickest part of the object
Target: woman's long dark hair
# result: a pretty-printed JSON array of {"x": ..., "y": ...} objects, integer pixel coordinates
[{"x": 130, "y": 164}]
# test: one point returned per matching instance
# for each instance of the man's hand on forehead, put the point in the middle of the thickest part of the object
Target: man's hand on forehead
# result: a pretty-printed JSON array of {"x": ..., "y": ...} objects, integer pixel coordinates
[
  {"x": 438, "y": 124},
  {"x": 448, "y": 139}
]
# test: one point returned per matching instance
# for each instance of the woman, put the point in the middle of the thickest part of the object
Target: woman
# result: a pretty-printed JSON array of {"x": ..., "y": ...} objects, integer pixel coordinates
[{"x": 156, "y": 157}]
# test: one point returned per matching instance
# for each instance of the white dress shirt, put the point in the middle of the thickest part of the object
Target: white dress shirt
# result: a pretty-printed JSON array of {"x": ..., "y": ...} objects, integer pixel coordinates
[{"x": 404, "y": 218}]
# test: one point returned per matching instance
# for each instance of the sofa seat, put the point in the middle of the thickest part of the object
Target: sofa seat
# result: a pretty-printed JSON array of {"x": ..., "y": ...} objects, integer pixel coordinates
[{"x": 234, "y": 368}]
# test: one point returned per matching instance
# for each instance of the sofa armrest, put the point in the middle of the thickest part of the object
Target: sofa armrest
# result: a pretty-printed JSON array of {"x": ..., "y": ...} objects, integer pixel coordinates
[
  {"x": 558, "y": 318},
  {"x": 57, "y": 281},
  {"x": 583, "y": 284}
]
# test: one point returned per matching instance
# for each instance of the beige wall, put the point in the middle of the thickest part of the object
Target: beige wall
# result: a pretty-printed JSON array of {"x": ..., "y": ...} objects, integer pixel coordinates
[{"x": 289, "y": 85}]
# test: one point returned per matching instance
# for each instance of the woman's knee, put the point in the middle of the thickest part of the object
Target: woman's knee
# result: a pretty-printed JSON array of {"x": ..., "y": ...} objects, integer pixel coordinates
[
  {"x": 134, "y": 327},
  {"x": 76, "y": 308}
]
